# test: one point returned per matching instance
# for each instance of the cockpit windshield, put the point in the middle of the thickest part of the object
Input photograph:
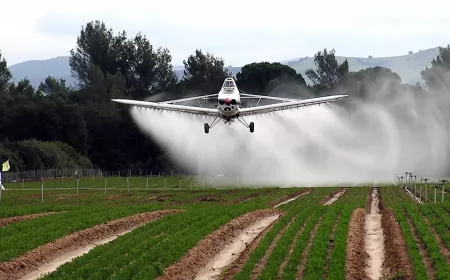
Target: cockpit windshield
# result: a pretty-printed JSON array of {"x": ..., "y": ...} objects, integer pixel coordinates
[{"x": 228, "y": 84}]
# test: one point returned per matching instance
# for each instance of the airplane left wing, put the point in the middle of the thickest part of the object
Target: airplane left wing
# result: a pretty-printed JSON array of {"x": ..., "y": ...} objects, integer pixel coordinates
[
  {"x": 288, "y": 105},
  {"x": 169, "y": 107},
  {"x": 198, "y": 98}
]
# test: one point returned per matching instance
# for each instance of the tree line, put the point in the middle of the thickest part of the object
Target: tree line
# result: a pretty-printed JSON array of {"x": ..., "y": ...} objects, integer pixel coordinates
[{"x": 56, "y": 126}]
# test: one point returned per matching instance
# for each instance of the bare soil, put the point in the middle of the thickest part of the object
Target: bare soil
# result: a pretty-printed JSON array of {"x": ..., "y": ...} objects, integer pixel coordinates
[
  {"x": 46, "y": 253},
  {"x": 209, "y": 198},
  {"x": 330, "y": 195},
  {"x": 290, "y": 197},
  {"x": 334, "y": 197},
  {"x": 6, "y": 221},
  {"x": 159, "y": 198},
  {"x": 236, "y": 266},
  {"x": 374, "y": 238},
  {"x": 199, "y": 256},
  {"x": 356, "y": 257},
  {"x": 232, "y": 250},
  {"x": 396, "y": 254}
]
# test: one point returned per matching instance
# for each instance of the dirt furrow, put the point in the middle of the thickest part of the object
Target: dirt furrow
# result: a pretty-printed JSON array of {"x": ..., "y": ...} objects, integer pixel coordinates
[
  {"x": 290, "y": 197},
  {"x": 206, "y": 249},
  {"x": 262, "y": 263},
  {"x": 233, "y": 249},
  {"x": 333, "y": 197},
  {"x": 374, "y": 238},
  {"x": 304, "y": 257},
  {"x": 331, "y": 247},
  {"x": 291, "y": 249},
  {"x": 356, "y": 256},
  {"x": 6, "y": 221},
  {"x": 396, "y": 255},
  {"x": 426, "y": 259},
  {"x": 236, "y": 266},
  {"x": 45, "y": 254}
]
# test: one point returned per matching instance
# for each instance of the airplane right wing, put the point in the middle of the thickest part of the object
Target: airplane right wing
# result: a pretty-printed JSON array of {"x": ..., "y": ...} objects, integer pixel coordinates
[
  {"x": 288, "y": 105},
  {"x": 170, "y": 107}
]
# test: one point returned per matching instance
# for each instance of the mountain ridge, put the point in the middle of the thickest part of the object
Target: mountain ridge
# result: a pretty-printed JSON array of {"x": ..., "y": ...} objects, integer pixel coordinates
[{"x": 407, "y": 66}]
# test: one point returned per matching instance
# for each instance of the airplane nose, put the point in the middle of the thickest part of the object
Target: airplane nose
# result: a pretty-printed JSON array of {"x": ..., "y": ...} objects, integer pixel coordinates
[{"x": 227, "y": 101}]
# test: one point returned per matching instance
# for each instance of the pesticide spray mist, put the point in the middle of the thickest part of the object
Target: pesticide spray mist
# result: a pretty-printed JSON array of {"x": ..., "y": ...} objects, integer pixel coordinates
[{"x": 367, "y": 141}]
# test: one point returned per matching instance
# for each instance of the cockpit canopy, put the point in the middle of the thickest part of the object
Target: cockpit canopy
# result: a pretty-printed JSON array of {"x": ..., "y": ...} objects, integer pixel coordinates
[{"x": 229, "y": 83}]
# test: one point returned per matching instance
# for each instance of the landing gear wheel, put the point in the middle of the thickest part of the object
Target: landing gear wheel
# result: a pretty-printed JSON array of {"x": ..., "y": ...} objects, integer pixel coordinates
[
  {"x": 206, "y": 128},
  {"x": 252, "y": 127}
]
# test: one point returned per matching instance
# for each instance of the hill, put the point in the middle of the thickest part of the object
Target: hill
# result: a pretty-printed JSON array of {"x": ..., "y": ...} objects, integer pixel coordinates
[{"x": 407, "y": 66}]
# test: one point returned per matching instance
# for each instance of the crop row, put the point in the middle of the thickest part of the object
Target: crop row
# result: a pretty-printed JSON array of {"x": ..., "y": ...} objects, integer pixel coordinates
[
  {"x": 311, "y": 230},
  {"x": 145, "y": 251},
  {"x": 418, "y": 236},
  {"x": 18, "y": 238},
  {"x": 297, "y": 207}
]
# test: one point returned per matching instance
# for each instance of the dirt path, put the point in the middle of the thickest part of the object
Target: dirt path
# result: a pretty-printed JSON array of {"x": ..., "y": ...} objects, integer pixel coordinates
[
  {"x": 356, "y": 256},
  {"x": 6, "y": 221},
  {"x": 233, "y": 249},
  {"x": 334, "y": 198},
  {"x": 291, "y": 197},
  {"x": 196, "y": 259},
  {"x": 236, "y": 266},
  {"x": 50, "y": 255},
  {"x": 374, "y": 239},
  {"x": 55, "y": 263}
]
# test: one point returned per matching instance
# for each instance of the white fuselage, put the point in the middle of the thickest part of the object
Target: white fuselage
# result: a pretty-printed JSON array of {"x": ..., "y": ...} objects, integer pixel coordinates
[{"x": 229, "y": 99}]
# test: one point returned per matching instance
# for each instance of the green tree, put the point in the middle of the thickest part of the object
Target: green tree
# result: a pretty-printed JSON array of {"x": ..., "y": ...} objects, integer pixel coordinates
[
  {"x": 371, "y": 81},
  {"x": 53, "y": 86},
  {"x": 329, "y": 72},
  {"x": 262, "y": 77},
  {"x": 437, "y": 77},
  {"x": 203, "y": 72},
  {"x": 134, "y": 62},
  {"x": 5, "y": 74}
]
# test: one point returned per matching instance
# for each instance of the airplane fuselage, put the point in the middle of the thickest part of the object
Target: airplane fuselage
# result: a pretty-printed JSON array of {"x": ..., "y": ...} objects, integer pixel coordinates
[{"x": 229, "y": 100}]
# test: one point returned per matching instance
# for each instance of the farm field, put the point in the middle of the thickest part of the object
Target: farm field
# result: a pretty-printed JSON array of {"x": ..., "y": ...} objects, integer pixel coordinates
[{"x": 168, "y": 232}]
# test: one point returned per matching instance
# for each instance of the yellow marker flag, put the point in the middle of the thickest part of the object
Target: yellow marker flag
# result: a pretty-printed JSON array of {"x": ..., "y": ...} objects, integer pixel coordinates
[{"x": 5, "y": 166}]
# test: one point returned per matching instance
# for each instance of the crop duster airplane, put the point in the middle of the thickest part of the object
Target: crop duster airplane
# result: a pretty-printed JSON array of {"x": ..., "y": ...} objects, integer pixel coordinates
[{"x": 229, "y": 105}]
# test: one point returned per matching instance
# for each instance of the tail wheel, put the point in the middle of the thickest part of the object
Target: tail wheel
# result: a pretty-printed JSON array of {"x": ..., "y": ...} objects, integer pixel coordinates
[
  {"x": 206, "y": 128},
  {"x": 252, "y": 127}
]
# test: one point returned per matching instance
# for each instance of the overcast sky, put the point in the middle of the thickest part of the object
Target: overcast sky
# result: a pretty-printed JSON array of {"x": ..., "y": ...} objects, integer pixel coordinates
[{"x": 238, "y": 31}]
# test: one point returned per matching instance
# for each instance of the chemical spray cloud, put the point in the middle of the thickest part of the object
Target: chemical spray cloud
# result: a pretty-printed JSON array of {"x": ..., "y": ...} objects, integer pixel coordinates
[{"x": 375, "y": 140}]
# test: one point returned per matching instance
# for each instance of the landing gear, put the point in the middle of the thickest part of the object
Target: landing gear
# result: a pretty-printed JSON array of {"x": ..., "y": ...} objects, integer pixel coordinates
[
  {"x": 251, "y": 126},
  {"x": 207, "y": 126}
]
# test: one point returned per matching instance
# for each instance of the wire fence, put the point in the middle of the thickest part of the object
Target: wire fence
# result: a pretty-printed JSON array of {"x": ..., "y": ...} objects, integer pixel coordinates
[{"x": 38, "y": 175}]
